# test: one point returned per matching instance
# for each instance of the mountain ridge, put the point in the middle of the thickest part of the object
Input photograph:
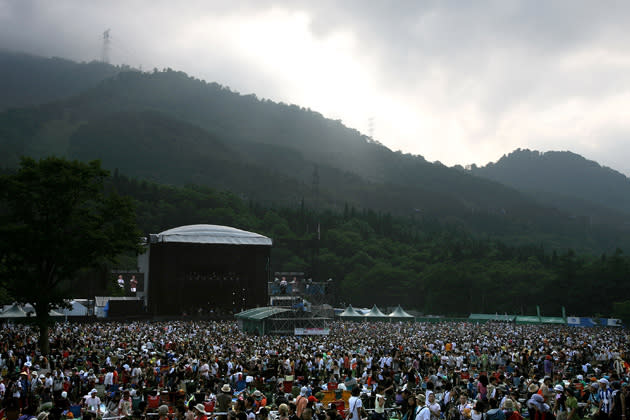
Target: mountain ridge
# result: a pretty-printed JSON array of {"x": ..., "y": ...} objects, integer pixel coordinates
[
  {"x": 312, "y": 158},
  {"x": 562, "y": 173}
]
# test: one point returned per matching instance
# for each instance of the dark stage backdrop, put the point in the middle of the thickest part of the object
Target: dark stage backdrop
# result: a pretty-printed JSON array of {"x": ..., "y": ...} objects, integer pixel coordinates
[{"x": 202, "y": 279}]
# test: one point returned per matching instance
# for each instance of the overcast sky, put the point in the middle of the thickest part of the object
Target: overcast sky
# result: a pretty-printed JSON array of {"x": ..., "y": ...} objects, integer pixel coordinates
[{"x": 455, "y": 81}]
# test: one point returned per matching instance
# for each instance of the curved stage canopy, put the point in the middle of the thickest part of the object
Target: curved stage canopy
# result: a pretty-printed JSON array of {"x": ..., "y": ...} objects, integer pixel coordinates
[{"x": 211, "y": 234}]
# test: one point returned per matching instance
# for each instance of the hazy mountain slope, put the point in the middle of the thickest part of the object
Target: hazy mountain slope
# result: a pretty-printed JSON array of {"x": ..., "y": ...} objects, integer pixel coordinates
[
  {"x": 235, "y": 118},
  {"x": 29, "y": 80},
  {"x": 243, "y": 121},
  {"x": 552, "y": 175},
  {"x": 168, "y": 127}
]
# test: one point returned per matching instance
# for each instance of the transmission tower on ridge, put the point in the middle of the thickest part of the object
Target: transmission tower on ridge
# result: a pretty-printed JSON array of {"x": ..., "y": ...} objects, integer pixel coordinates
[
  {"x": 371, "y": 128},
  {"x": 106, "y": 46}
]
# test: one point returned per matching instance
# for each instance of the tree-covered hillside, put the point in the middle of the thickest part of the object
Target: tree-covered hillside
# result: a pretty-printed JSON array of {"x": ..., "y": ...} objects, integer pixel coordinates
[
  {"x": 29, "y": 80},
  {"x": 417, "y": 262},
  {"x": 565, "y": 179}
]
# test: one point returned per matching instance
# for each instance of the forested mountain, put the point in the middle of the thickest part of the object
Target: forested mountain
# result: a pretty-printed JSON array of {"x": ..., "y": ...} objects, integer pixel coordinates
[
  {"x": 565, "y": 179},
  {"x": 170, "y": 128},
  {"x": 28, "y": 80}
]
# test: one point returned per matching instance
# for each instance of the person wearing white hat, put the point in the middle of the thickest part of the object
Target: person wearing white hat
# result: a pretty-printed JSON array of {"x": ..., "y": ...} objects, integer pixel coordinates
[
  {"x": 559, "y": 405},
  {"x": 301, "y": 401},
  {"x": 605, "y": 398},
  {"x": 91, "y": 404},
  {"x": 224, "y": 400},
  {"x": 537, "y": 407}
]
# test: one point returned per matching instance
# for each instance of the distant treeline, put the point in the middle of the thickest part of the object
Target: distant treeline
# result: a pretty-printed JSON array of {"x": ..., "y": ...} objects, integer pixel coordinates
[{"x": 377, "y": 258}]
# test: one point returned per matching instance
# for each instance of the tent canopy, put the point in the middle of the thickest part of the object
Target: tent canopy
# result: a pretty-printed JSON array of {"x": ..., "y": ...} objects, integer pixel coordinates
[
  {"x": 399, "y": 312},
  {"x": 375, "y": 313},
  {"x": 76, "y": 309},
  {"x": 350, "y": 312},
  {"x": 14, "y": 311}
]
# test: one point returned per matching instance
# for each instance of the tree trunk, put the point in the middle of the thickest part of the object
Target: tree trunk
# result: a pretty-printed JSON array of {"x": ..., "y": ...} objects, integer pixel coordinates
[{"x": 42, "y": 319}]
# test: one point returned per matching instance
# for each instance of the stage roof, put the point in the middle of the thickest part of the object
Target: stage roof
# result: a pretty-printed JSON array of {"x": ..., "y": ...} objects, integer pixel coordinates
[{"x": 210, "y": 234}]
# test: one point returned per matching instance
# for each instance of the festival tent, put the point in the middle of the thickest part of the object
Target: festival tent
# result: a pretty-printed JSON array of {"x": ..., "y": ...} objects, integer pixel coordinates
[
  {"x": 375, "y": 314},
  {"x": 14, "y": 311},
  {"x": 351, "y": 314},
  {"x": 30, "y": 311},
  {"x": 399, "y": 314},
  {"x": 76, "y": 309}
]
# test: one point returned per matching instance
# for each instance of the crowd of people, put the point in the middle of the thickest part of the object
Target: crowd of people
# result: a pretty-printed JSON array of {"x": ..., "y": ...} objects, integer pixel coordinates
[{"x": 413, "y": 371}]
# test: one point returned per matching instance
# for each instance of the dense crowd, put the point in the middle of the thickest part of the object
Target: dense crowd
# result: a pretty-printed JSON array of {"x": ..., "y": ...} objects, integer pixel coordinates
[{"x": 417, "y": 371}]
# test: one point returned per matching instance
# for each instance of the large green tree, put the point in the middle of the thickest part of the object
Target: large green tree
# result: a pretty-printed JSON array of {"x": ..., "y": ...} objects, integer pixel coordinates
[{"x": 56, "y": 218}]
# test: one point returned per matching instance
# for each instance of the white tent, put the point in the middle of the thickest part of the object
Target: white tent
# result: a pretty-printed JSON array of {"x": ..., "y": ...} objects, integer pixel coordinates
[
  {"x": 400, "y": 314},
  {"x": 375, "y": 314},
  {"x": 350, "y": 313},
  {"x": 30, "y": 311},
  {"x": 14, "y": 311},
  {"x": 76, "y": 309}
]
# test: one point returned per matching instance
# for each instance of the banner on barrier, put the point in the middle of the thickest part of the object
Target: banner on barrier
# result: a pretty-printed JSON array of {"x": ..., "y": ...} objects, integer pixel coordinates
[{"x": 312, "y": 331}]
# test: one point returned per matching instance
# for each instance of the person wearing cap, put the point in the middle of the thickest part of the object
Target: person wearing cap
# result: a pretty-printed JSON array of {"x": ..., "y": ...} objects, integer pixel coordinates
[
  {"x": 60, "y": 405},
  {"x": 605, "y": 399},
  {"x": 224, "y": 401},
  {"x": 538, "y": 409},
  {"x": 200, "y": 412},
  {"x": 92, "y": 404},
  {"x": 559, "y": 405},
  {"x": 163, "y": 412},
  {"x": 510, "y": 411},
  {"x": 302, "y": 400},
  {"x": 260, "y": 400}
]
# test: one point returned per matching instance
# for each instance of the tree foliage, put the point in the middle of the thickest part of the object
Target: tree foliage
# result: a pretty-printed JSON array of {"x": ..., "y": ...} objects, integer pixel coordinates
[
  {"x": 421, "y": 263},
  {"x": 56, "y": 220}
]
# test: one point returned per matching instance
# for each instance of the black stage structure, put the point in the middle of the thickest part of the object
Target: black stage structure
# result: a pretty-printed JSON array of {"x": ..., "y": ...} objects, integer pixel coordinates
[{"x": 205, "y": 270}]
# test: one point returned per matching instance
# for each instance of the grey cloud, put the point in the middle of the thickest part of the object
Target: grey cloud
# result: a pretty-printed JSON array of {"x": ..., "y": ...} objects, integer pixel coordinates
[{"x": 498, "y": 55}]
